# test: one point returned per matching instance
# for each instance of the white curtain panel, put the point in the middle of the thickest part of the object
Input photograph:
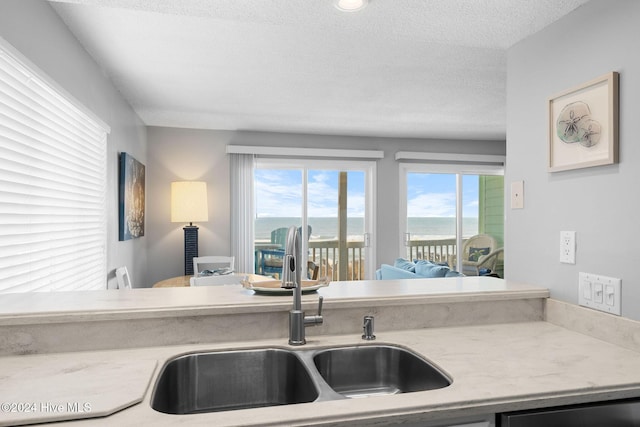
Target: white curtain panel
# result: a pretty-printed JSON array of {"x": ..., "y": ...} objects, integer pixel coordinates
[{"x": 242, "y": 212}]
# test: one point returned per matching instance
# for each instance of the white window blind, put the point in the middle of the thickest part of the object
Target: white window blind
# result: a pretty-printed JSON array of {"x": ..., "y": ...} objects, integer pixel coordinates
[{"x": 52, "y": 185}]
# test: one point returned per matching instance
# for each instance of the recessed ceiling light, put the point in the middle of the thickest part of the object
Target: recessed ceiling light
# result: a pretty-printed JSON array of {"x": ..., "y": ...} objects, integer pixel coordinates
[{"x": 350, "y": 5}]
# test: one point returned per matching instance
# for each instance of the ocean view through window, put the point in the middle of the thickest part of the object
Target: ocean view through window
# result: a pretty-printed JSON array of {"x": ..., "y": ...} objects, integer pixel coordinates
[
  {"x": 327, "y": 198},
  {"x": 442, "y": 211}
]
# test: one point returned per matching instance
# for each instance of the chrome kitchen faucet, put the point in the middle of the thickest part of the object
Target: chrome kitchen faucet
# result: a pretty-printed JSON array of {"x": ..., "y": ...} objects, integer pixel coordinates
[{"x": 292, "y": 279}]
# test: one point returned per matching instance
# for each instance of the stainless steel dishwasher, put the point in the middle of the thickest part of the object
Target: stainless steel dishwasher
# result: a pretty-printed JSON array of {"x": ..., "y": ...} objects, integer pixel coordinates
[{"x": 624, "y": 413}]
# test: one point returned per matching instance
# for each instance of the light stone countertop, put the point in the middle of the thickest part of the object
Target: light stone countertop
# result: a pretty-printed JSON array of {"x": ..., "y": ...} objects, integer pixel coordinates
[
  {"x": 63, "y": 386},
  {"x": 149, "y": 303},
  {"x": 494, "y": 368}
]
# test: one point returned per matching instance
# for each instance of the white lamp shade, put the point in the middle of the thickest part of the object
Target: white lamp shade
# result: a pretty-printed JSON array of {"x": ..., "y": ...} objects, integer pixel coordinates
[{"x": 189, "y": 201}]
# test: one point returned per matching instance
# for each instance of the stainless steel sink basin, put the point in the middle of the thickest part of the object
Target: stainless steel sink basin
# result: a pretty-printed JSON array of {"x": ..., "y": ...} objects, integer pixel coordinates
[
  {"x": 374, "y": 370},
  {"x": 228, "y": 380},
  {"x": 242, "y": 379}
]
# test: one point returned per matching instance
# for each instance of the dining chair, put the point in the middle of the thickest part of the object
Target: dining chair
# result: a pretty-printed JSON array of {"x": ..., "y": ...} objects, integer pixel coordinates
[
  {"x": 123, "y": 278},
  {"x": 213, "y": 262},
  {"x": 225, "y": 279}
]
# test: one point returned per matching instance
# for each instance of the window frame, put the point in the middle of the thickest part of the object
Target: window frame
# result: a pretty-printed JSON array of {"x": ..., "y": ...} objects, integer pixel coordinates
[
  {"x": 439, "y": 168},
  {"x": 369, "y": 167}
]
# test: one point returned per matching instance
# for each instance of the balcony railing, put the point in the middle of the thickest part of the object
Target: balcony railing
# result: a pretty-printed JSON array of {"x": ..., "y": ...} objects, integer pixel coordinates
[
  {"x": 434, "y": 250},
  {"x": 325, "y": 254}
]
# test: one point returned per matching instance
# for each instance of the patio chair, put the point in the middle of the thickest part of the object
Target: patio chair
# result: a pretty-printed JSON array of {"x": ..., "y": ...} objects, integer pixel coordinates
[
  {"x": 271, "y": 259},
  {"x": 313, "y": 270},
  {"x": 491, "y": 264},
  {"x": 474, "y": 251}
]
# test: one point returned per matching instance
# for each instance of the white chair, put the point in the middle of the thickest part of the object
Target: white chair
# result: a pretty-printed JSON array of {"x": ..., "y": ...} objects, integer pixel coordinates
[
  {"x": 494, "y": 263},
  {"x": 474, "y": 250},
  {"x": 123, "y": 278},
  {"x": 212, "y": 262},
  {"x": 225, "y": 279}
]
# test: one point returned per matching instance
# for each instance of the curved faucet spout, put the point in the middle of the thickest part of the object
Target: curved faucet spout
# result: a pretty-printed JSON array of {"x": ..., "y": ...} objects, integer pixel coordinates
[{"x": 291, "y": 273}]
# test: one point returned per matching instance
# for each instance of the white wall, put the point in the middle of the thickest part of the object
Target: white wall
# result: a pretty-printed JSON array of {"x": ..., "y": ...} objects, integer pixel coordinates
[
  {"x": 33, "y": 28},
  {"x": 183, "y": 154},
  {"x": 601, "y": 204}
]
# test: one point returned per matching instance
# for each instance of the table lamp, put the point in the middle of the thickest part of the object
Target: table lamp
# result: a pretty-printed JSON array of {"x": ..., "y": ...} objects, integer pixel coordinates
[{"x": 189, "y": 204}]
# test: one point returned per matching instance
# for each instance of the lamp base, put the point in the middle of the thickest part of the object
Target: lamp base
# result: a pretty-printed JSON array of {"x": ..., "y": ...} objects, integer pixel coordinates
[{"x": 190, "y": 248}]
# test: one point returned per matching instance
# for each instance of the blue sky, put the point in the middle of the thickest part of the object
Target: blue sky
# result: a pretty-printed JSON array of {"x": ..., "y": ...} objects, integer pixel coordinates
[
  {"x": 279, "y": 194},
  {"x": 434, "y": 195}
]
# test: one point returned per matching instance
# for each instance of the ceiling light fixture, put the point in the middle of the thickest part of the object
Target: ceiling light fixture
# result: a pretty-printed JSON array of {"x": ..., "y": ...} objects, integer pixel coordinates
[{"x": 350, "y": 5}]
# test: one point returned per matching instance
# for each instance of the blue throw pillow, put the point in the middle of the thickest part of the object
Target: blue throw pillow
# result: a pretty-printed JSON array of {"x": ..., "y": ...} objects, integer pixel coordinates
[
  {"x": 424, "y": 261},
  {"x": 388, "y": 272},
  {"x": 404, "y": 265},
  {"x": 431, "y": 270},
  {"x": 476, "y": 253}
]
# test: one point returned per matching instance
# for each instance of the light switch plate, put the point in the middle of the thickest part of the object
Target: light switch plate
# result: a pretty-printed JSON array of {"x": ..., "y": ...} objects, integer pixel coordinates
[
  {"x": 600, "y": 292},
  {"x": 517, "y": 195}
]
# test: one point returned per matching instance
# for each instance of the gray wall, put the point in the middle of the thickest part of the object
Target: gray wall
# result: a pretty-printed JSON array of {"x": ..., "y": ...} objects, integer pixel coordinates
[
  {"x": 183, "y": 154},
  {"x": 599, "y": 203},
  {"x": 33, "y": 28}
]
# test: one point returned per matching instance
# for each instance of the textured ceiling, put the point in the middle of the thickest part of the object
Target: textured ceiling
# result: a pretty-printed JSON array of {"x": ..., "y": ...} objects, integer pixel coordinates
[{"x": 406, "y": 68}]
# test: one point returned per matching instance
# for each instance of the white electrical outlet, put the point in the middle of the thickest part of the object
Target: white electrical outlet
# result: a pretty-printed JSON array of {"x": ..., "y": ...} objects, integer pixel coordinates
[
  {"x": 568, "y": 247},
  {"x": 600, "y": 292}
]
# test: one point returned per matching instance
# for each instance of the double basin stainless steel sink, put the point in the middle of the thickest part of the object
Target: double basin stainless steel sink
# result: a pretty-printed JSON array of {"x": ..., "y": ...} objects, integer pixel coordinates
[{"x": 252, "y": 378}]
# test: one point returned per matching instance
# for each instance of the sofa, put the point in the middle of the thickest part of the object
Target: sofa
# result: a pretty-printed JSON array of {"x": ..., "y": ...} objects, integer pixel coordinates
[{"x": 405, "y": 269}]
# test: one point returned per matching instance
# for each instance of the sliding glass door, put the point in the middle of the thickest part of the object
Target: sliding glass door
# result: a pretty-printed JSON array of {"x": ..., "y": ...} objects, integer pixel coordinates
[
  {"x": 431, "y": 220},
  {"x": 444, "y": 208},
  {"x": 331, "y": 202}
]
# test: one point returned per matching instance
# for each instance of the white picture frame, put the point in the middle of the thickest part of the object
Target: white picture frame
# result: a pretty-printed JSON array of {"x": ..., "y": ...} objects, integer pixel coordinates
[{"x": 583, "y": 125}]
